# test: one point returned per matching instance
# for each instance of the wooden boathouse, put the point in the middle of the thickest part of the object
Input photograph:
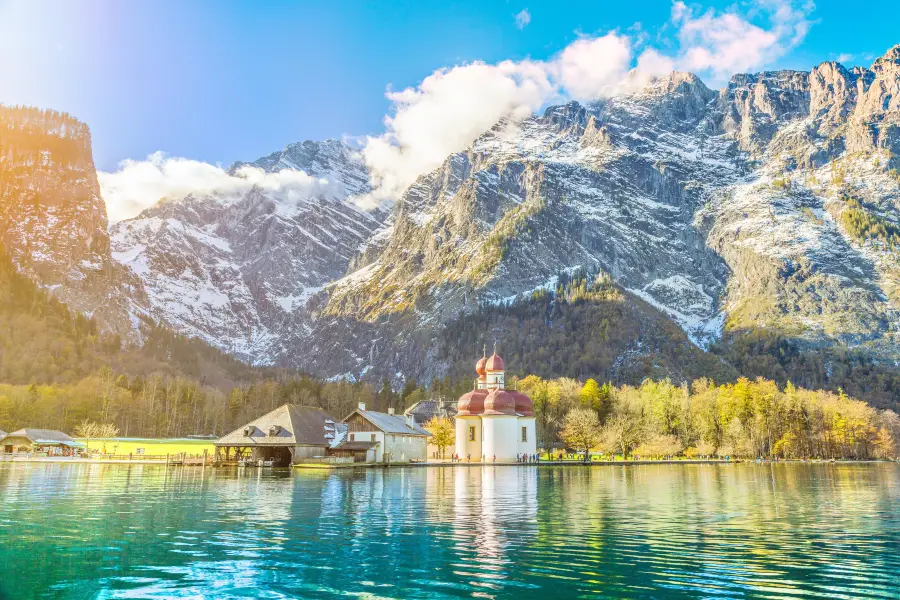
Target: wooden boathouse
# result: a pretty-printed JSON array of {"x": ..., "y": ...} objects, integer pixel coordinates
[{"x": 288, "y": 435}]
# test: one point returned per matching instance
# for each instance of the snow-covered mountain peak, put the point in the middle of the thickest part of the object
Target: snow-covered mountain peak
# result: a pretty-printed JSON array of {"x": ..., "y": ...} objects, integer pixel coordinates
[
  {"x": 232, "y": 267},
  {"x": 331, "y": 160}
]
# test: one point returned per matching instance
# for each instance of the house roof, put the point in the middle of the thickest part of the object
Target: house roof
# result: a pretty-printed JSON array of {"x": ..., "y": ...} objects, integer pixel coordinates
[
  {"x": 299, "y": 425},
  {"x": 46, "y": 437},
  {"x": 425, "y": 410},
  {"x": 389, "y": 423}
]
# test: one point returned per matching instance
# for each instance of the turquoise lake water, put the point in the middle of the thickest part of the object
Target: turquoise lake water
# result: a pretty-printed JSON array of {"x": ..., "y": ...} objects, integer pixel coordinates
[{"x": 658, "y": 531}]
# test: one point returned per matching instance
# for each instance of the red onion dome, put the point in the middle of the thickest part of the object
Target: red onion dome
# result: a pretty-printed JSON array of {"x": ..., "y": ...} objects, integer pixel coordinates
[
  {"x": 471, "y": 404},
  {"x": 479, "y": 366},
  {"x": 500, "y": 402},
  {"x": 495, "y": 363},
  {"x": 524, "y": 406}
]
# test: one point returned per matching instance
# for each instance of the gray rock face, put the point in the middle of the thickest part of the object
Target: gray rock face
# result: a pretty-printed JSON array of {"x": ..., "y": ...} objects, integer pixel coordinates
[
  {"x": 721, "y": 209},
  {"x": 237, "y": 269}
]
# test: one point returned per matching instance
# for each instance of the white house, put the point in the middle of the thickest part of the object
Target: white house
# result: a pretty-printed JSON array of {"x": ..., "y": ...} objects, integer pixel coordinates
[
  {"x": 395, "y": 439},
  {"x": 493, "y": 423}
]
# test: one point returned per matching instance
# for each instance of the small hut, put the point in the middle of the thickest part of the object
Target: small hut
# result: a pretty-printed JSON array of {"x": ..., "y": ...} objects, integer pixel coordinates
[
  {"x": 54, "y": 443},
  {"x": 280, "y": 438}
]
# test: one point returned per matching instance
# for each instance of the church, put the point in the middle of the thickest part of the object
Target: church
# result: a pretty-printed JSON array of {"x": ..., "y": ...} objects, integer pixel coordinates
[{"x": 493, "y": 423}]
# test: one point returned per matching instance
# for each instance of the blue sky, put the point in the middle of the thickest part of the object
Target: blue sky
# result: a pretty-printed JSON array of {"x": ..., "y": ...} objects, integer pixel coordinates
[{"x": 219, "y": 81}]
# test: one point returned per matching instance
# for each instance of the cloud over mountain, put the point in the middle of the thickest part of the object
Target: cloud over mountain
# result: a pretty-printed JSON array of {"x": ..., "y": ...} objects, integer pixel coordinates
[
  {"x": 450, "y": 107},
  {"x": 140, "y": 184}
]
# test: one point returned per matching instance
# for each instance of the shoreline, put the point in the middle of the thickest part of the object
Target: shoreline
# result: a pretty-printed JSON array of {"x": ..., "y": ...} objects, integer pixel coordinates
[{"x": 543, "y": 463}]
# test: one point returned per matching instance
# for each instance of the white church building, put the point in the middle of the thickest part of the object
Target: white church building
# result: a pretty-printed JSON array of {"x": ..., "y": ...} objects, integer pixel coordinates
[{"x": 493, "y": 423}]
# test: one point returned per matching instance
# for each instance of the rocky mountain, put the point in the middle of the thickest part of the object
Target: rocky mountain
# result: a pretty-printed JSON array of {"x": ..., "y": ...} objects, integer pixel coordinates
[
  {"x": 771, "y": 204},
  {"x": 696, "y": 226},
  {"x": 53, "y": 221},
  {"x": 236, "y": 268}
]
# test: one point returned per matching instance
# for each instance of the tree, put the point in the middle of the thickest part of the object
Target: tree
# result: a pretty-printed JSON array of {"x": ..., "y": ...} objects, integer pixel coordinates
[
  {"x": 704, "y": 448},
  {"x": 590, "y": 395},
  {"x": 107, "y": 431},
  {"x": 443, "y": 433},
  {"x": 581, "y": 430},
  {"x": 622, "y": 433},
  {"x": 87, "y": 430}
]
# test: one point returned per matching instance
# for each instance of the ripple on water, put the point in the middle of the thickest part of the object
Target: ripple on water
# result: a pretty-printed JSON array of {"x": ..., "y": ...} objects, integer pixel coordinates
[{"x": 731, "y": 531}]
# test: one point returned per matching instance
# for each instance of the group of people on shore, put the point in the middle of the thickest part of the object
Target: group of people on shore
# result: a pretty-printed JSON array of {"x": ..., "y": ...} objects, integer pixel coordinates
[{"x": 520, "y": 458}]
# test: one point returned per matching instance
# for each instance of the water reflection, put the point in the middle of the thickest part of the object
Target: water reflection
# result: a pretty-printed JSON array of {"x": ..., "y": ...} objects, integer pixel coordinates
[{"x": 773, "y": 531}]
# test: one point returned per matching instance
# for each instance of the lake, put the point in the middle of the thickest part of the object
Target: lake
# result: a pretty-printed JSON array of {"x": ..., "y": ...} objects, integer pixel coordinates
[{"x": 655, "y": 531}]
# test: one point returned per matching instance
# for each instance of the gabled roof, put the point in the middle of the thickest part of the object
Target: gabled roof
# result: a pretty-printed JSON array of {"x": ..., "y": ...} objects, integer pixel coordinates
[
  {"x": 426, "y": 410},
  {"x": 388, "y": 423},
  {"x": 299, "y": 425},
  {"x": 43, "y": 436}
]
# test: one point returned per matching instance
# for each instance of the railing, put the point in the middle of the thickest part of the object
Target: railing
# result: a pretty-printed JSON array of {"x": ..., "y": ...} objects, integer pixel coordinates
[
  {"x": 161, "y": 457},
  {"x": 326, "y": 460}
]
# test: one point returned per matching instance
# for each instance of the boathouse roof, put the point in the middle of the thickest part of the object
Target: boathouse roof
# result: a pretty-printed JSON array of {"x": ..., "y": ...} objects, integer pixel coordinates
[
  {"x": 42, "y": 437},
  {"x": 288, "y": 425}
]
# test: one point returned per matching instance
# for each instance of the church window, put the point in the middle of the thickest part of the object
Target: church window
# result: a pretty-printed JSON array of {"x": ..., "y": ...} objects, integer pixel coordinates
[{"x": 524, "y": 434}]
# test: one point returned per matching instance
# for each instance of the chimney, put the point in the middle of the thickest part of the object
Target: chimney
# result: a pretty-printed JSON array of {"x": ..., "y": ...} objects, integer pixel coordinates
[
  {"x": 362, "y": 406},
  {"x": 391, "y": 411},
  {"x": 410, "y": 422}
]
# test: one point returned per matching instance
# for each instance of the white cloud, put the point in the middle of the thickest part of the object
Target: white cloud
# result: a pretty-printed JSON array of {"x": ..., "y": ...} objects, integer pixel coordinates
[
  {"x": 445, "y": 112},
  {"x": 845, "y": 58},
  {"x": 138, "y": 185},
  {"x": 523, "y": 18},
  {"x": 588, "y": 69},
  {"x": 728, "y": 43}
]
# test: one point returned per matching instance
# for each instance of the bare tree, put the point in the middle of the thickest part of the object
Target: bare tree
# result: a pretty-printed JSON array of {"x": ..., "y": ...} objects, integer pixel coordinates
[
  {"x": 622, "y": 433},
  {"x": 87, "y": 430}
]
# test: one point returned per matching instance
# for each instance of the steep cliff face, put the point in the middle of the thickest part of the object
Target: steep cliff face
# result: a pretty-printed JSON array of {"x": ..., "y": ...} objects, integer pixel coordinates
[
  {"x": 236, "y": 268},
  {"x": 817, "y": 144},
  {"x": 52, "y": 218}
]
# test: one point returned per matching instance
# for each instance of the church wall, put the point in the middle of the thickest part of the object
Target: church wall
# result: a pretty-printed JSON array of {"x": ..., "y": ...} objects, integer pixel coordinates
[
  {"x": 465, "y": 447},
  {"x": 500, "y": 438},
  {"x": 530, "y": 445}
]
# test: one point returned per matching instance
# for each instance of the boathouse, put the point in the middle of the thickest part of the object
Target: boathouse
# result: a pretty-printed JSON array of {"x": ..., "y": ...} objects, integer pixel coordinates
[
  {"x": 287, "y": 435},
  {"x": 54, "y": 443},
  {"x": 389, "y": 437}
]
